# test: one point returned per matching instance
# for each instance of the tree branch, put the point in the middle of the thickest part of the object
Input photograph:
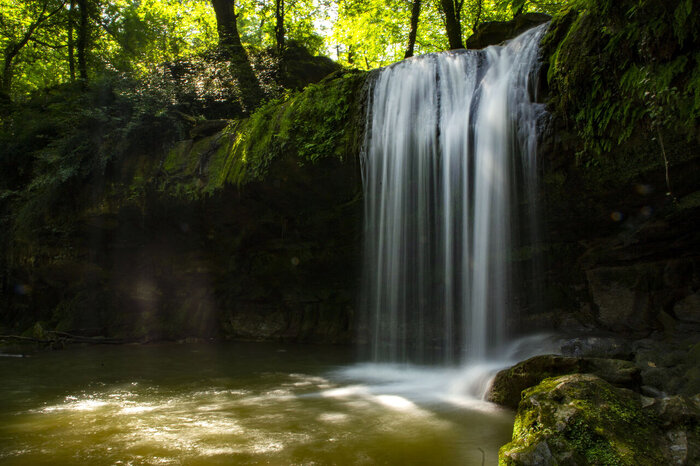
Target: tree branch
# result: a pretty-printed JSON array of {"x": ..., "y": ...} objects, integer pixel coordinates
[
  {"x": 46, "y": 44},
  {"x": 63, "y": 337},
  {"x": 33, "y": 27}
]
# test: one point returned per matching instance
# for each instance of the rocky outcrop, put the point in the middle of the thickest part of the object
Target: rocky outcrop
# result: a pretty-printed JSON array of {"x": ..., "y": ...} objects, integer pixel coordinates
[
  {"x": 607, "y": 411},
  {"x": 621, "y": 250},
  {"x": 497, "y": 32},
  {"x": 582, "y": 420},
  {"x": 669, "y": 367},
  {"x": 246, "y": 229},
  {"x": 508, "y": 384}
]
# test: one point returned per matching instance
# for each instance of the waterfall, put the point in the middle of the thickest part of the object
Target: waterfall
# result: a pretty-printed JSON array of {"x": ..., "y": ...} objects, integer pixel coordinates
[{"x": 448, "y": 165}]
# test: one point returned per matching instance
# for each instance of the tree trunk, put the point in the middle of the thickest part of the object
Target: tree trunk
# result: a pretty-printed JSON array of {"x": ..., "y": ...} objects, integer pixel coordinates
[
  {"x": 279, "y": 25},
  {"x": 415, "y": 13},
  {"x": 226, "y": 26},
  {"x": 232, "y": 49},
  {"x": 351, "y": 55},
  {"x": 6, "y": 87},
  {"x": 71, "y": 42},
  {"x": 479, "y": 11},
  {"x": 453, "y": 23},
  {"x": 83, "y": 37}
]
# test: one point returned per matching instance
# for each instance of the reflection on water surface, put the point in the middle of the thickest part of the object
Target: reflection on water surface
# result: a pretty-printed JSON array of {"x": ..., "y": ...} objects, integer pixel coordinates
[{"x": 236, "y": 404}]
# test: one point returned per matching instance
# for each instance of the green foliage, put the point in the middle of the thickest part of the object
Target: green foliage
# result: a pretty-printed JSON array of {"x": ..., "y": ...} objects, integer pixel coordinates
[
  {"x": 368, "y": 34},
  {"x": 256, "y": 23},
  {"x": 138, "y": 37},
  {"x": 586, "y": 419},
  {"x": 618, "y": 67},
  {"x": 313, "y": 124},
  {"x": 141, "y": 35},
  {"x": 32, "y": 41},
  {"x": 318, "y": 117},
  {"x": 64, "y": 145}
]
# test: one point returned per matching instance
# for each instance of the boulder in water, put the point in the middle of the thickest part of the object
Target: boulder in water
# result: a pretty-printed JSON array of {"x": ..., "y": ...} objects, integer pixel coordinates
[
  {"x": 509, "y": 383},
  {"x": 580, "y": 420}
]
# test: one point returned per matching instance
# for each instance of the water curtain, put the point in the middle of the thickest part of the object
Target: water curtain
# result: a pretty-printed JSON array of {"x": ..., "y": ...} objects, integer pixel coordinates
[{"x": 449, "y": 174}]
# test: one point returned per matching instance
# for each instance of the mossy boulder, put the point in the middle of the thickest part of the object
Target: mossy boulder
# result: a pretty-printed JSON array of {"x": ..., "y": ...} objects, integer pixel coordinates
[
  {"x": 581, "y": 419},
  {"x": 508, "y": 384},
  {"x": 322, "y": 122}
]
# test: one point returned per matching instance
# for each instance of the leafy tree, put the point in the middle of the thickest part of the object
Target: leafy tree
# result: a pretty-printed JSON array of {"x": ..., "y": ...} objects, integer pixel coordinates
[
  {"x": 139, "y": 36},
  {"x": 371, "y": 33},
  {"x": 22, "y": 25},
  {"x": 261, "y": 23}
]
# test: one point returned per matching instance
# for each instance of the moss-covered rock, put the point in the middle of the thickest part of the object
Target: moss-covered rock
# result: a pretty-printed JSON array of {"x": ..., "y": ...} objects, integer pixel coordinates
[
  {"x": 508, "y": 384},
  {"x": 583, "y": 420},
  {"x": 320, "y": 122}
]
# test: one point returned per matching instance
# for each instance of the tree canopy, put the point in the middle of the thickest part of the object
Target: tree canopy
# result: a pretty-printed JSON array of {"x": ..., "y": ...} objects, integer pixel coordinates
[{"x": 45, "y": 43}]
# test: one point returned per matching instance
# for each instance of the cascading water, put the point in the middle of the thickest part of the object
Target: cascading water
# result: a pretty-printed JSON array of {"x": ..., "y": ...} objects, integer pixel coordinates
[{"x": 449, "y": 159}]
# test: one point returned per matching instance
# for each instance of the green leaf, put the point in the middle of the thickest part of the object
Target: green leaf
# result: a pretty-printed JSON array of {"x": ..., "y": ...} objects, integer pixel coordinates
[{"x": 518, "y": 4}]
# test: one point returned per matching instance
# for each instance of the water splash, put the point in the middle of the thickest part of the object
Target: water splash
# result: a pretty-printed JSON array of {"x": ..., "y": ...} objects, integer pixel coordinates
[{"x": 449, "y": 159}]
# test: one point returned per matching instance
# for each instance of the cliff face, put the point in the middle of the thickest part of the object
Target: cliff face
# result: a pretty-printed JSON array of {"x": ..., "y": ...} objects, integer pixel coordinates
[
  {"x": 243, "y": 229},
  {"x": 622, "y": 157},
  {"x": 148, "y": 226}
]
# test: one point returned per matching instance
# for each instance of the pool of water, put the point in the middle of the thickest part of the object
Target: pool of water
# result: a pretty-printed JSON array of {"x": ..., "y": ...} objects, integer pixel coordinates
[{"x": 239, "y": 403}]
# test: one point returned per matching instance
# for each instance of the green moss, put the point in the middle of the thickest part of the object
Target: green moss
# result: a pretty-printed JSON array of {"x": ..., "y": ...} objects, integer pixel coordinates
[
  {"x": 319, "y": 122},
  {"x": 311, "y": 125},
  {"x": 176, "y": 157},
  {"x": 583, "y": 417},
  {"x": 620, "y": 68}
]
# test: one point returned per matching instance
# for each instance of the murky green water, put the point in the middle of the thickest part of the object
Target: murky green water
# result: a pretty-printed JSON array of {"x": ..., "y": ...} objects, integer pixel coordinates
[{"x": 236, "y": 404}]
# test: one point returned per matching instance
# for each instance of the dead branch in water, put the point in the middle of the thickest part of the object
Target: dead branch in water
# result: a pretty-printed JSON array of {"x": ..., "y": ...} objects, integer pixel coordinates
[{"x": 55, "y": 337}]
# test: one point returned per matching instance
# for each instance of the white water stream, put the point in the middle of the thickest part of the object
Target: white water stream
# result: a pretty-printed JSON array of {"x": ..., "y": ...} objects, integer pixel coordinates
[{"x": 449, "y": 169}]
